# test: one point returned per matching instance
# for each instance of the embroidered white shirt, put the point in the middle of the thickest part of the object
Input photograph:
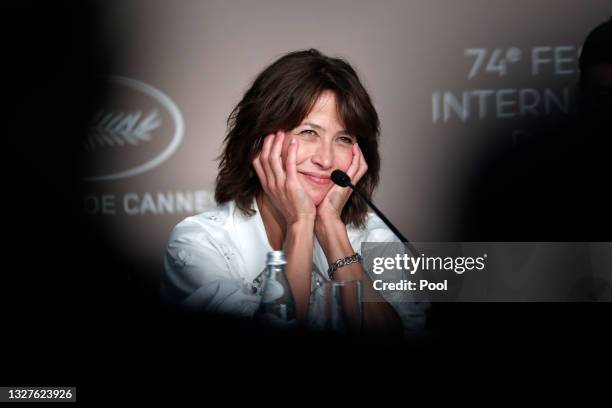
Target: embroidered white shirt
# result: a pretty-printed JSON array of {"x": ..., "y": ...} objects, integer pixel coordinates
[{"x": 214, "y": 263}]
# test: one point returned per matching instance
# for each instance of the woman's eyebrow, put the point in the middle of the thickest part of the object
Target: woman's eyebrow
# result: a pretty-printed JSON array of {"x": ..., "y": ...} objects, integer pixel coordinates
[{"x": 314, "y": 125}]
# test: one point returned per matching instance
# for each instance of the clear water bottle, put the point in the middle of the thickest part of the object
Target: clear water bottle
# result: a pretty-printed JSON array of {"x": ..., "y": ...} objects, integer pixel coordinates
[{"x": 277, "y": 307}]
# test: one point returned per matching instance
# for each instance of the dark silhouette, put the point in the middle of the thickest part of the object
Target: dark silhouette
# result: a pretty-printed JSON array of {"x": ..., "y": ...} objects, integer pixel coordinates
[{"x": 553, "y": 184}]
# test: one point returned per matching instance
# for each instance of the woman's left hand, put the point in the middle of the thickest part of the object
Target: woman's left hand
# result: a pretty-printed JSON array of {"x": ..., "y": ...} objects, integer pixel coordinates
[{"x": 330, "y": 209}]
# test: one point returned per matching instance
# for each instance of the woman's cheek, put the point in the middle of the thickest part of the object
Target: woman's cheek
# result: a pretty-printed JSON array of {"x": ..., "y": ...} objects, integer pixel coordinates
[{"x": 345, "y": 160}]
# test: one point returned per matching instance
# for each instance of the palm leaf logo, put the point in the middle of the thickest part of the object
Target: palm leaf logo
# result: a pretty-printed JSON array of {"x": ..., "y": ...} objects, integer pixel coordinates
[{"x": 118, "y": 129}]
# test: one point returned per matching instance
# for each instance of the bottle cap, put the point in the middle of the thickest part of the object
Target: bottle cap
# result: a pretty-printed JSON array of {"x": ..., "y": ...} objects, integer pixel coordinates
[{"x": 276, "y": 258}]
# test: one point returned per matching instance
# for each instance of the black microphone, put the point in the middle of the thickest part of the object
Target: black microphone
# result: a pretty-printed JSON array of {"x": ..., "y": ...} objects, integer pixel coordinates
[{"x": 343, "y": 180}]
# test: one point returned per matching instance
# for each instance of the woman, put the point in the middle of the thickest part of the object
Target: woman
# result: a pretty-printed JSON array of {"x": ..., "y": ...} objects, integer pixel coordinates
[{"x": 304, "y": 116}]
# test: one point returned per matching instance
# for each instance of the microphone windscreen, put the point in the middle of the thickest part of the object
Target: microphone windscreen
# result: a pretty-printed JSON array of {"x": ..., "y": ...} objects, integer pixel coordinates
[{"x": 340, "y": 178}]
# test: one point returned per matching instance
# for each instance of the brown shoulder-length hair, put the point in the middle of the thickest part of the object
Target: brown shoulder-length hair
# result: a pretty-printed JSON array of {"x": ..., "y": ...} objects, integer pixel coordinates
[{"x": 281, "y": 97}]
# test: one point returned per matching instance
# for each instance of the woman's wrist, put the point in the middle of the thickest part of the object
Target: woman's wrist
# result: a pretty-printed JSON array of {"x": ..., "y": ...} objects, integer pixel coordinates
[
  {"x": 333, "y": 238},
  {"x": 327, "y": 223},
  {"x": 300, "y": 232},
  {"x": 301, "y": 223}
]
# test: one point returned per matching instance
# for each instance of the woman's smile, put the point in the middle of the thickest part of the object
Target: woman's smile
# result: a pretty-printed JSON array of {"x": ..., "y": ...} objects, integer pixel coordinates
[{"x": 315, "y": 178}]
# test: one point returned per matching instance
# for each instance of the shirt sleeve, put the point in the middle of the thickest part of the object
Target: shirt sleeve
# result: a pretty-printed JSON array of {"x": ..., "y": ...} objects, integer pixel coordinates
[{"x": 201, "y": 277}]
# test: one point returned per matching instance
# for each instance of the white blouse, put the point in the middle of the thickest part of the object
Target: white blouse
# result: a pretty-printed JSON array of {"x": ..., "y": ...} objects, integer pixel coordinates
[{"x": 214, "y": 262}]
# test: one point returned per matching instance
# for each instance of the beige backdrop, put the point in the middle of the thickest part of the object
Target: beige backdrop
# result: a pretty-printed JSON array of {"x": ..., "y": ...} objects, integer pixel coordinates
[{"x": 448, "y": 79}]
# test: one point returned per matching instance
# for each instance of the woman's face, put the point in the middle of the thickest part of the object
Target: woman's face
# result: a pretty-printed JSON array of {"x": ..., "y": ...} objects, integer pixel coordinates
[{"x": 324, "y": 146}]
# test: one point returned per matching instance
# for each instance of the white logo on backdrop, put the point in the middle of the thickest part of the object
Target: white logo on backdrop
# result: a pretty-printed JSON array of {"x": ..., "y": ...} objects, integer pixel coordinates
[
  {"x": 112, "y": 129},
  {"x": 536, "y": 70},
  {"x": 119, "y": 129}
]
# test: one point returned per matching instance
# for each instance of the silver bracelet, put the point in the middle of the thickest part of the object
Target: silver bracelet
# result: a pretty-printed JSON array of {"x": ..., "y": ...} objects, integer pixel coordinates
[{"x": 342, "y": 262}]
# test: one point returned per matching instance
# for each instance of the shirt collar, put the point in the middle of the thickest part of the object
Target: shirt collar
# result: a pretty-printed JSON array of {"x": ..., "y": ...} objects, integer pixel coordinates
[{"x": 253, "y": 241}]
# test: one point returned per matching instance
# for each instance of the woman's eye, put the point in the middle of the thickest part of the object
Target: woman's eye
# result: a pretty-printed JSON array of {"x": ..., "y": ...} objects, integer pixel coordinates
[
  {"x": 312, "y": 132},
  {"x": 345, "y": 139}
]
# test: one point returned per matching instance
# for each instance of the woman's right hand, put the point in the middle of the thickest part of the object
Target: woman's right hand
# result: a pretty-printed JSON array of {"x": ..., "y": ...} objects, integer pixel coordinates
[{"x": 283, "y": 188}]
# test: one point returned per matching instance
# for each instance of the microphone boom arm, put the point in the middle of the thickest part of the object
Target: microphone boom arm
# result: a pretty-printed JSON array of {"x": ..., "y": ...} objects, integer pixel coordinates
[{"x": 398, "y": 234}]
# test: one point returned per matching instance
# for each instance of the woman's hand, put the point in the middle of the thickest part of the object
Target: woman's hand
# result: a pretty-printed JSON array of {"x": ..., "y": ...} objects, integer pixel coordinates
[
  {"x": 283, "y": 187},
  {"x": 330, "y": 209}
]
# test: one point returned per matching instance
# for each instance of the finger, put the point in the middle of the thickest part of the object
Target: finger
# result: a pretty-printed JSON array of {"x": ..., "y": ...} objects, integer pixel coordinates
[
  {"x": 276, "y": 162},
  {"x": 264, "y": 159},
  {"x": 342, "y": 193},
  {"x": 363, "y": 166},
  {"x": 260, "y": 173},
  {"x": 292, "y": 160},
  {"x": 352, "y": 170}
]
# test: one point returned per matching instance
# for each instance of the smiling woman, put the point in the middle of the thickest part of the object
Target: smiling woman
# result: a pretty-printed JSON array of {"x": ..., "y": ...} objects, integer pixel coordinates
[
  {"x": 304, "y": 116},
  {"x": 298, "y": 90},
  {"x": 321, "y": 148}
]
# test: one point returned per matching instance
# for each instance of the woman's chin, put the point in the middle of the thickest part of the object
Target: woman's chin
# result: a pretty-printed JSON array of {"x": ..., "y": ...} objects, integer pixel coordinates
[
  {"x": 318, "y": 195},
  {"x": 317, "y": 199}
]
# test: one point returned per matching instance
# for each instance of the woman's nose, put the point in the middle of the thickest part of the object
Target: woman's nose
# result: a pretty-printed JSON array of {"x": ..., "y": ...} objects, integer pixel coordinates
[{"x": 323, "y": 155}]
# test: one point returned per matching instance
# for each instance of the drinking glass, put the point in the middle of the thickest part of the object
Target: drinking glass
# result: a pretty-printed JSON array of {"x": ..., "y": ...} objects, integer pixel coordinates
[{"x": 343, "y": 306}]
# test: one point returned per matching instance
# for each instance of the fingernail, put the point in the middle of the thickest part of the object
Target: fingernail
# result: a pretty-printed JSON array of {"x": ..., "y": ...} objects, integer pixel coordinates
[{"x": 292, "y": 141}]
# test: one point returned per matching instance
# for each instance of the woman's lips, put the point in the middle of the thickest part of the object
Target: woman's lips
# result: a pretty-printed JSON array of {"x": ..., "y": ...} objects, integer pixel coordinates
[{"x": 316, "y": 180}]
